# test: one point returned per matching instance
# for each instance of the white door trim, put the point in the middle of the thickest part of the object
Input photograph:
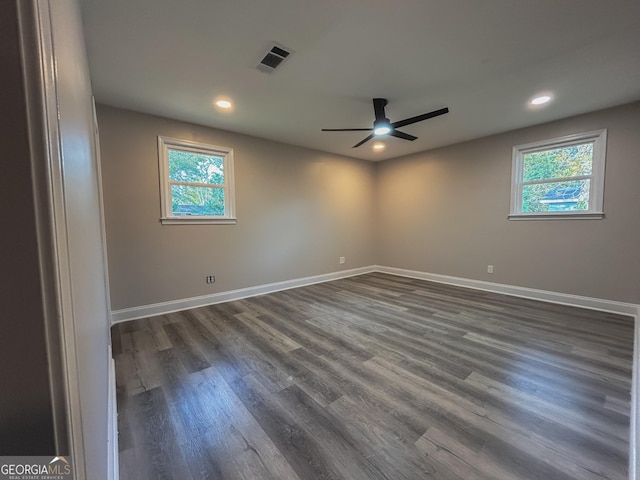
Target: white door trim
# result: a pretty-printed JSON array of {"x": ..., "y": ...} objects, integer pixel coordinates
[{"x": 42, "y": 104}]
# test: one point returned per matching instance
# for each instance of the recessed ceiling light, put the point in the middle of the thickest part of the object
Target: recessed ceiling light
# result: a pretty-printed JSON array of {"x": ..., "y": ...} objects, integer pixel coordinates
[
  {"x": 224, "y": 103},
  {"x": 379, "y": 146},
  {"x": 541, "y": 99}
]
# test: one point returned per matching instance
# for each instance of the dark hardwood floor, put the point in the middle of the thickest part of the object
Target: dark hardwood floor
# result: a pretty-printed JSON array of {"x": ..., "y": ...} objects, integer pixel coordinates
[{"x": 375, "y": 377}]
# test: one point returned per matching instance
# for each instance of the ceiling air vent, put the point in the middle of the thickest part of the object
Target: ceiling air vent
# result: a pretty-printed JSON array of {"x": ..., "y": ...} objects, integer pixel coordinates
[{"x": 275, "y": 56}]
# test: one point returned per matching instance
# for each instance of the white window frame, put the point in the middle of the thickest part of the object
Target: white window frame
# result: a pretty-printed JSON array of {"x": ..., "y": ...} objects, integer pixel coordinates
[
  {"x": 596, "y": 184},
  {"x": 164, "y": 145}
]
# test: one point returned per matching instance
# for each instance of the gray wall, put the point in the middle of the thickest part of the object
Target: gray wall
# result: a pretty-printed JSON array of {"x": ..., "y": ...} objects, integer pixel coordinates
[
  {"x": 298, "y": 210},
  {"x": 26, "y": 421},
  {"x": 445, "y": 212}
]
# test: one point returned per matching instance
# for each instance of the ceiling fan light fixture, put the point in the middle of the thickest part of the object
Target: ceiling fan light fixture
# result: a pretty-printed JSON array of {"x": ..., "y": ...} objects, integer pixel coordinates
[{"x": 382, "y": 127}]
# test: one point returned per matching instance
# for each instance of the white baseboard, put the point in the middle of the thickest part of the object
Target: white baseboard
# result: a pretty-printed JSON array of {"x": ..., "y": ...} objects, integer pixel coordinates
[
  {"x": 113, "y": 468},
  {"x": 204, "y": 300},
  {"x": 523, "y": 292},
  {"x": 513, "y": 290},
  {"x": 634, "y": 437}
]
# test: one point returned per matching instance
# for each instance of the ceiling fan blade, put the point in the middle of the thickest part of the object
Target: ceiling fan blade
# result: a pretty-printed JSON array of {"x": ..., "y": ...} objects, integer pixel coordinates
[
  {"x": 363, "y": 141},
  {"x": 419, "y": 118},
  {"x": 347, "y": 129},
  {"x": 378, "y": 108},
  {"x": 404, "y": 136}
]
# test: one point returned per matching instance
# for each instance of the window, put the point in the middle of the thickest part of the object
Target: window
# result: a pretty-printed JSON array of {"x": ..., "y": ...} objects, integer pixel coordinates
[
  {"x": 196, "y": 182},
  {"x": 559, "y": 178}
]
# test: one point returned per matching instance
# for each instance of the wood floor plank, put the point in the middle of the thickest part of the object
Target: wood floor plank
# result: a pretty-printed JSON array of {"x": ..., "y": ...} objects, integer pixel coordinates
[
  {"x": 375, "y": 377},
  {"x": 465, "y": 462},
  {"x": 301, "y": 450},
  {"x": 392, "y": 442},
  {"x": 277, "y": 339},
  {"x": 154, "y": 451},
  {"x": 359, "y": 385},
  {"x": 598, "y": 428},
  {"x": 352, "y": 457},
  {"x": 233, "y": 444}
]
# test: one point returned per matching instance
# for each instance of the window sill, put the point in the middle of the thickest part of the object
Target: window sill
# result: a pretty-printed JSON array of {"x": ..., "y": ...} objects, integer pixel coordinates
[
  {"x": 190, "y": 220},
  {"x": 557, "y": 216}
]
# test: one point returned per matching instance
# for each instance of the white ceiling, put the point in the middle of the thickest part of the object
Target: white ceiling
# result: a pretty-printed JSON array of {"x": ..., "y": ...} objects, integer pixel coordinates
[{"x": 482, "y": 59}]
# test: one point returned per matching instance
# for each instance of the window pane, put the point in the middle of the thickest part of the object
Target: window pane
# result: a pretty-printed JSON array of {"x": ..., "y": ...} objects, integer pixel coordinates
[
  {"x": 556, "y": 197},
  {"x": 195, "y": 167},
  {"x": 558, "y": 162},
  {"x": 189, "y": 200}
]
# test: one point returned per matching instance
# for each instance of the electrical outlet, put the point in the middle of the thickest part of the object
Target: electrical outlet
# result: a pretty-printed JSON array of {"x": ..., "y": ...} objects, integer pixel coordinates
[
  {"x": 341, "y": 260},
  {"x": 210, "y": 279},
  {"x": 489, "y": 268}
]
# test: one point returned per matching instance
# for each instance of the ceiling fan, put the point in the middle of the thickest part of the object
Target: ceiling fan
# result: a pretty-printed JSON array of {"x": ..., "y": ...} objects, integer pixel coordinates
[{"x": 382, "y": 125}]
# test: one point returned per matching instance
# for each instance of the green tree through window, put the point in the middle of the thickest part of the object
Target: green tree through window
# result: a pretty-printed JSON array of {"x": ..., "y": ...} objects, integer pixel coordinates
[
  {"x": 560, "y": 177},
  {"x": 196, "y": 182},
  {"x": 187, "y": 170},
  {"x": 559, "y": 163}
]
